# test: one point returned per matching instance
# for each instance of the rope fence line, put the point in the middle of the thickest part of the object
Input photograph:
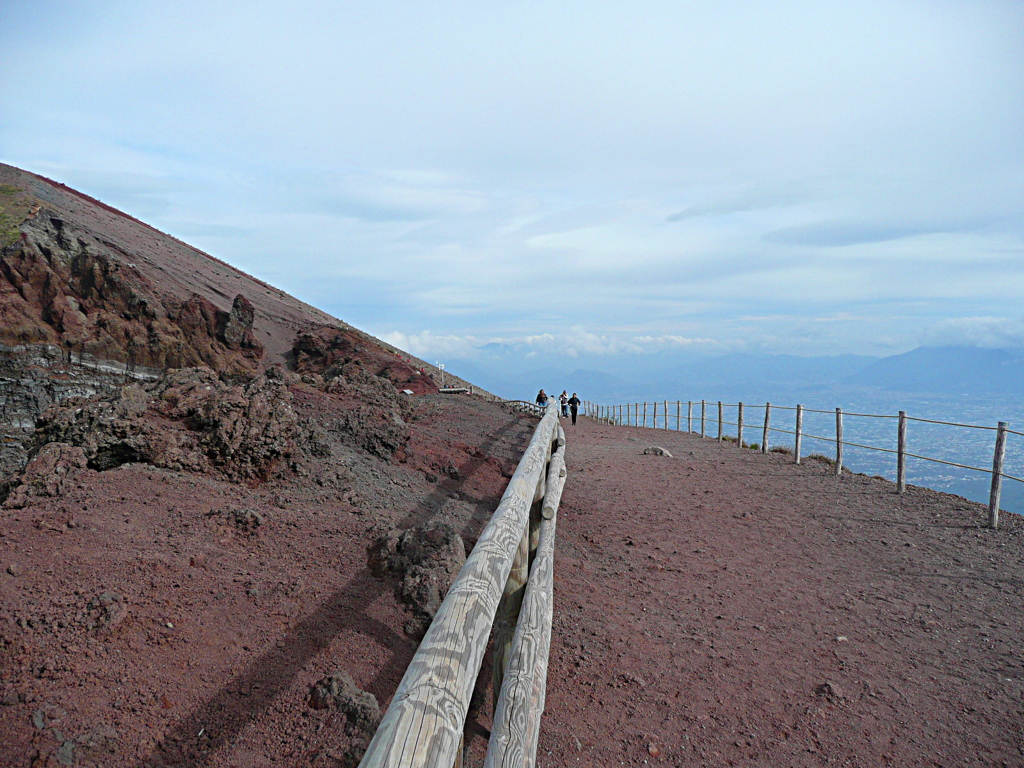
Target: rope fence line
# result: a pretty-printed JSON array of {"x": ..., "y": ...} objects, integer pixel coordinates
[{"x": 635, "y": 414}]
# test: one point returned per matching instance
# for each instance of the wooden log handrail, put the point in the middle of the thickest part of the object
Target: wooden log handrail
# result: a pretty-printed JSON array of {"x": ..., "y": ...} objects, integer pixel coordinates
[
  {"x": 520, "y": 704},
  {"x": 423, "y": 725}
]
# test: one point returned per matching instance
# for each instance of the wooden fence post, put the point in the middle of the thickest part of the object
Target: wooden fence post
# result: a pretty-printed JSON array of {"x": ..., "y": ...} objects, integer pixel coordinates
[
  {"x": 665, "y": 405},
  {"x": 689, "y": 416},
  {"x": 703, "y": 410},
  {"x": 645, "y": 414},
  {"x": 799, "y": 432},
  {"x": 839, "y": 441},
  {"x": 997, "y": 476},
  {"x": 764, "y": 433},
  {"x": 679, "y": 416},
  {"x": 739, "y": 425},
  {"x": 654, "y": 407},
  {"x": 901, "y": 454},
  {"x": 720, "y": 421}
]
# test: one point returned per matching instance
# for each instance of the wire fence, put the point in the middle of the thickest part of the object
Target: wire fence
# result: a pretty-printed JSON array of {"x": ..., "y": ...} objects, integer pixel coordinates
[{"x": 708, "y": 419}]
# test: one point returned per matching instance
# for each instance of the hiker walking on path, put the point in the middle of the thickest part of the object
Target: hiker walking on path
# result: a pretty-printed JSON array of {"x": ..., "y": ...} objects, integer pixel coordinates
[
  {"x": 574, "y": 407},
  {"x": 542, "y": 398},
  {"x": 563, "y": 400}
]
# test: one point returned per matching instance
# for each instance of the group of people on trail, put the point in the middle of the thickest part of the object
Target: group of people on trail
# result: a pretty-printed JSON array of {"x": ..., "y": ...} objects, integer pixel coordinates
[{"x": 567, "y": 405}]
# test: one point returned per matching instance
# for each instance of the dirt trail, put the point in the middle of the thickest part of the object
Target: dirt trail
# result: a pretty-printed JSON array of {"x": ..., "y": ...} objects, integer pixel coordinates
[{"x": 724, "y": 607}]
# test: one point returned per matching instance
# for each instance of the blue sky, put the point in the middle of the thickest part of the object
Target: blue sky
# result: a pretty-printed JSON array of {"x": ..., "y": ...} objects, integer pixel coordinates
[{"x": 571, "y": 179}]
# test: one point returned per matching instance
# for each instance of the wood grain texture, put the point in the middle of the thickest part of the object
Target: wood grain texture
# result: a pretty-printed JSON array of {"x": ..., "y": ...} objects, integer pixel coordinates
[
  {"x": 424, "y": 723},
  {"x": 767, "y": 426},
  {"x": 798, "y": 440},
  {"x": 901, "y": 454},
  {"x": 516, "y": 726},
  {"x": 839, "y": 441},
  {"x": 997, "y": 476}
]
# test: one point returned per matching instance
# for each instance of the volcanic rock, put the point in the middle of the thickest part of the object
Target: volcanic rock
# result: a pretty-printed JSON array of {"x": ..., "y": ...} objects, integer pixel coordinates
[
  {"x": 338, "y": 691},
  {"x": 427, "y": 558}
]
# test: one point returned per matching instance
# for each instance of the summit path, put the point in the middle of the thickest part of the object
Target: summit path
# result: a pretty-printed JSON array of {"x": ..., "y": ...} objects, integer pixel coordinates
[{"x": 725, "y": 607}]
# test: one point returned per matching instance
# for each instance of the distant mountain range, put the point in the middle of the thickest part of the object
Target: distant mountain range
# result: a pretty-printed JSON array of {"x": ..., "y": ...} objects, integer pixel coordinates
[{"x": 946, "y": 371}]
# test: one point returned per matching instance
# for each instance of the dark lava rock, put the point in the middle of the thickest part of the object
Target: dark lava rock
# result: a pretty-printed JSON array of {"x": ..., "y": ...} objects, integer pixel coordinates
[
  {"x": 427, "y": 559},
  {"x": 339, "y": 691}
]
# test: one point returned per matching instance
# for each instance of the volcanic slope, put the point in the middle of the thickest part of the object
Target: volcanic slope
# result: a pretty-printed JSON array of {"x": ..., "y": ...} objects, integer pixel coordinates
[{"x": 225, "y": 522}]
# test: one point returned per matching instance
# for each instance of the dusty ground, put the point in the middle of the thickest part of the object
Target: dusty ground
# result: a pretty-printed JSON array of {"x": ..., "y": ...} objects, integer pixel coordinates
[
  {"x": 723, "y": 607},
  {"x": 719, "y": 607},
  {"x": 208, "y": 653}
]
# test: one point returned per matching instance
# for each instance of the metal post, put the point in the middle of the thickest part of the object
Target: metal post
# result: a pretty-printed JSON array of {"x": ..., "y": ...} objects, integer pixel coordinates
[{"x": 997, "y": 476}]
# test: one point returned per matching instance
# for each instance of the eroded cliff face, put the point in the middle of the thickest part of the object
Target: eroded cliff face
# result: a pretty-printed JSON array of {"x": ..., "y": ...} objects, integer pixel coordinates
[
  {"x": 78, "y": 320},
  {"x": 61, "y": 286},
  {"x": 33, "y": 377},
  {"x": 96, "y": 306}
]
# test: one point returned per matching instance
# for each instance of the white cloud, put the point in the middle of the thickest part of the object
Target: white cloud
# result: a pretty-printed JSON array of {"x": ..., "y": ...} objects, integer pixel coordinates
[
  {"x": 991, "y": 332},
  {"x": 576, "y": 342},
  {"x": 427, "y": 345}
]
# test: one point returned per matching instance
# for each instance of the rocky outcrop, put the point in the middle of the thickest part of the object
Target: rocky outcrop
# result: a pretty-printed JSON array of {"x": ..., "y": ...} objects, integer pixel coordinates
[
  {"x": 63, "y": 287},
  {"x": 77, "y": 319},
  {"x": 427, "y": 559},
  {"x": 34, "y": 377},
  {"x": 190, "y": 420},
  {"x": 45, "y": 475},
  {"x": 339, "y": 692},
  {"x": 326, "y": 351}
]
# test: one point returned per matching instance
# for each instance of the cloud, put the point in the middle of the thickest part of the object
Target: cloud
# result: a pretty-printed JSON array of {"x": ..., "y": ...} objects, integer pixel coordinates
[
  {"x": 427, "y": 345},
  {"x": 989, "y": 332},
  {"x": 577, "y": 342},
  {"x": 837, "y": 232},
  {"x": 742, "y": 201}
]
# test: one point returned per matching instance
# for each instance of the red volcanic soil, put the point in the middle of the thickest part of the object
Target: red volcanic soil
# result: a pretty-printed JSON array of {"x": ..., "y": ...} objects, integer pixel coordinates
[
  {"x": 148, "y": 619},
  {"x": 728, "y": 608},
  {"x": 716, "y": 607}
]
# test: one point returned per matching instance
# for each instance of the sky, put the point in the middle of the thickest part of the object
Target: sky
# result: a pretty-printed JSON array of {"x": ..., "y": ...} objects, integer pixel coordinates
[{"x": 572, "y": 180}]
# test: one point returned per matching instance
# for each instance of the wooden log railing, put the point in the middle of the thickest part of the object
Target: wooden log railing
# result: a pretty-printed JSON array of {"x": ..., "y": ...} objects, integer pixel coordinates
[
  {"x": 997, "y": 472},
  {"x": 423, "y": 726},
  {"x": 523, "y": 406}
]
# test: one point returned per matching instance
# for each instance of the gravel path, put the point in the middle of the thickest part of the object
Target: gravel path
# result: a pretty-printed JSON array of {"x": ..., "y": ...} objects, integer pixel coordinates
[{"x": 725, "y": 607}]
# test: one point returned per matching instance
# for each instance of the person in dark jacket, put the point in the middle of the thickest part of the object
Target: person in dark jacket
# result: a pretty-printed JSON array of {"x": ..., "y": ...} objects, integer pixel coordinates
[
  {"x": 574, "y": 407},
  {"x": 542, "y": 398}
]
